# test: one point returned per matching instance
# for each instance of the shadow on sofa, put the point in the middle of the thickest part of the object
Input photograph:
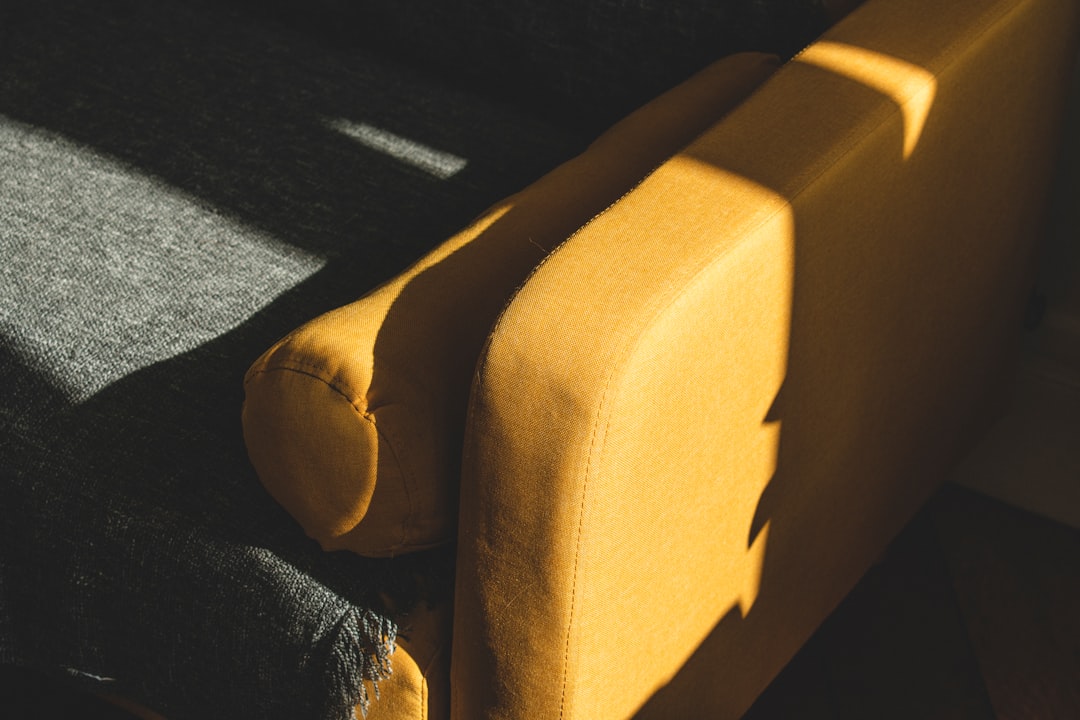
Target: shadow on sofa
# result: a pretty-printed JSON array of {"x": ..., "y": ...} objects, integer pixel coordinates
[
  {"x": 865, "y": 368},
  {"x": 894, "y": 298},
  {"x": 177, "y": 417}
]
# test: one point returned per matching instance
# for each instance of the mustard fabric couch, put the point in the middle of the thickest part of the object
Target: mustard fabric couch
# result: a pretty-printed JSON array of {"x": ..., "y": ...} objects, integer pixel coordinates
[
  {"x": 667, "y": 403},
  {"x": 670, "y": 424}
]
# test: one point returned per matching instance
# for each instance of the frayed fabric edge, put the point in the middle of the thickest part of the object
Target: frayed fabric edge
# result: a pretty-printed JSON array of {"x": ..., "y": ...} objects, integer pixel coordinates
[{"x": 361, "y": 658}]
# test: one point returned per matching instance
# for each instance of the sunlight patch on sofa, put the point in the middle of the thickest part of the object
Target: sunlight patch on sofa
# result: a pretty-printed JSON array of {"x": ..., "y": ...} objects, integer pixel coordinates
[
  {"x": 108, "y": 270},
  {"x": 758, "y": 275},
  {"x": 911, "y": 87},
  {"x": 438, "y": 163}
]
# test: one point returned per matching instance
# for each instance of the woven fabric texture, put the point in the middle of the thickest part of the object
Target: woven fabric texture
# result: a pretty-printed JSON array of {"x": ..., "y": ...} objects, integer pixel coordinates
[{"x": 180, "y": 186}]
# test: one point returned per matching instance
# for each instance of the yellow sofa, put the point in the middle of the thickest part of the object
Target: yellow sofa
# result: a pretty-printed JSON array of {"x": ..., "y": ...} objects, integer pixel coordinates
[{"x": 701, "y": 402}]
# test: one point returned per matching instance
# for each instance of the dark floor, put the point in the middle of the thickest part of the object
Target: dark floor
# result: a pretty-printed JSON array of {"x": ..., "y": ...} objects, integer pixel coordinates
[{"x": 974, "y": 613}]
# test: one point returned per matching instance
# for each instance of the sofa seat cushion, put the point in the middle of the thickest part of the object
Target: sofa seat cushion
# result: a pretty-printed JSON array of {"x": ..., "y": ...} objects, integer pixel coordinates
[
  {"x": 180, "y": 185},
  {"x": 355, "y": 421}
]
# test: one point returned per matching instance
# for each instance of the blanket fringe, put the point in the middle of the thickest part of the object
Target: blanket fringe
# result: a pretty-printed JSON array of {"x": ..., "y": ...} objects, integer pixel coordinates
[{"x": 369, "y": 640}]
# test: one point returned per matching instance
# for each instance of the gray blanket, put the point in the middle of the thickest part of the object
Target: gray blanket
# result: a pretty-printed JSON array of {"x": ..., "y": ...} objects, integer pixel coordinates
[{"x": 180, "y": 186}]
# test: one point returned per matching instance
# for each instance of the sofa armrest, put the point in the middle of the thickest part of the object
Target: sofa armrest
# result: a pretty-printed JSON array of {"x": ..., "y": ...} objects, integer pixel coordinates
[{"x": 706, "y": 413}]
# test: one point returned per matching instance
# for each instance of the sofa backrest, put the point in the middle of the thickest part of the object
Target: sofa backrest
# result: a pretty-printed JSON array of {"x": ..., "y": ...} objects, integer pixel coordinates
[{"x": 704, "y": 416}]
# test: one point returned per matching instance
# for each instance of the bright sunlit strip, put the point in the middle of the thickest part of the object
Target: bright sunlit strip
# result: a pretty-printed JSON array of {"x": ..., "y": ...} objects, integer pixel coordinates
[
  {"x": 912, "y": 88},
  {"x": 442, "y": 165},
  {"x": 145, "y": 272}
]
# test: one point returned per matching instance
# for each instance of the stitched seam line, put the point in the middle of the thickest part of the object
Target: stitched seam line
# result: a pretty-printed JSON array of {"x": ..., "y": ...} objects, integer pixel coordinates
[
  {"x": 424, "y": 675},
  {"x": 410, "y": 517},
  {"x": 485, "y": 356},
  {"x": 581, "y": 530},
  {"x": 299, "y": 369},
  {"x": 640, "y": 181},
  {"x": 311, "y": 369}
]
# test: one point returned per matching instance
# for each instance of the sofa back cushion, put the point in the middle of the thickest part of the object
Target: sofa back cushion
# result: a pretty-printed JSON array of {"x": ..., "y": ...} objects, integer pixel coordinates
[{"x": 355, "y": 421}]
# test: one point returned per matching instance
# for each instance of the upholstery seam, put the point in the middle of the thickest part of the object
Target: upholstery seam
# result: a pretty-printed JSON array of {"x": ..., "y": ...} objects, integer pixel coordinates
[
  {"x": 409, "y": 494},
  {"x": 485, "y": 356},
  {"x": 306, "y": 369},
  {"x": 310, "y": 369},
  {"x": 601, "y": 406},
  {"x": 424, "y": 674},
  {"x": 423, "y": 696},
  {"x": 610, "y": 206}
]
